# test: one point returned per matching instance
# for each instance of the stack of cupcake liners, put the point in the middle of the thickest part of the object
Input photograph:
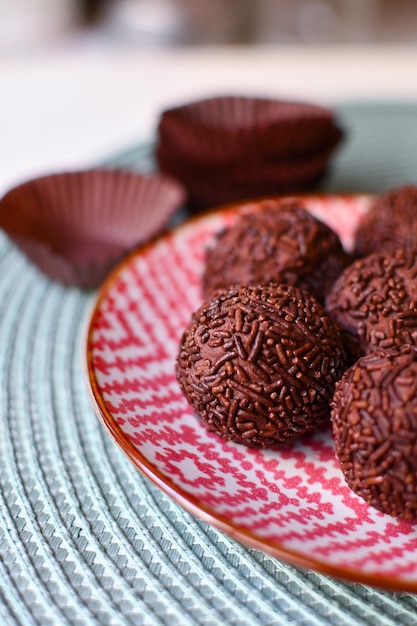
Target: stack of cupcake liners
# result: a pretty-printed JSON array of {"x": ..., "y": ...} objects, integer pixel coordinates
[{"x": 228, "y": 148}]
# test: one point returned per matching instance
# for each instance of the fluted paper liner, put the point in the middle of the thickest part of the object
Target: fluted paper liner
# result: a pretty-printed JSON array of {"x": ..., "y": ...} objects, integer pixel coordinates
[
  {"x": 209, "y": 186},
  {"x": 75, "y": 226},
  {"x": 226, "y": 129}
]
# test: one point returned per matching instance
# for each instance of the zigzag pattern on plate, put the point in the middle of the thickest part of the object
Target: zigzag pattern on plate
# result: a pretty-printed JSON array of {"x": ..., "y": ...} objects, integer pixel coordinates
[{"x": 293, "y": 497}]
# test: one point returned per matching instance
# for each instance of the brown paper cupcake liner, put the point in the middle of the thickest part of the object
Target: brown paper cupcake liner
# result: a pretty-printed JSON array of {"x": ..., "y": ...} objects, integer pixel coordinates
[
  {"x": 227, "y": 129},
  {"x": 268, "y": 171},
  {"x": 210, "y": 186},
  {"x": 248, "y": 157},
  {"x": 75, "y": 226},
  {"x": 210, "y": 192}
]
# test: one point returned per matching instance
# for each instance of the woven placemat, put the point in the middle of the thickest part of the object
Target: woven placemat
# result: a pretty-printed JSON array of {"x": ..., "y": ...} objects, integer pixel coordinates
[{"x": 84, "y": 537}]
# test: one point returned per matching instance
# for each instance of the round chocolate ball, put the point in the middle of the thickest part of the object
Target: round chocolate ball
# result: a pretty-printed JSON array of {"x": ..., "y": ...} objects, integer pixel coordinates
[
  {"x": 391, "y": 222},
  {"x": 275, "y": 241},
  {"x": 374, "y": 302},
  {"x": 259, "y": 364},
  {"x": 374, "y": 420}
]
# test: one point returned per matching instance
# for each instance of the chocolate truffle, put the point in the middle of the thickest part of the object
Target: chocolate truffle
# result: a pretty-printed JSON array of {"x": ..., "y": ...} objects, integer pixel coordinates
[
  {"x": 374, "y": 420},
  {"x": 391, "y": 222},
  {"x": 374, "y": 302},
  {"x": 279, "y": 241},
  {"x": 259, "y": 364}
]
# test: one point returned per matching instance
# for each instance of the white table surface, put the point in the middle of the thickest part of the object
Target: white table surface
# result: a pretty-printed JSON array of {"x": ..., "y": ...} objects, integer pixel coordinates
[{"x": 74, "y": 106}]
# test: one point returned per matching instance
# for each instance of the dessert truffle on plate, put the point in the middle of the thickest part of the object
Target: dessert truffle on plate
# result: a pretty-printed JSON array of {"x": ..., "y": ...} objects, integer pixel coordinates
[
  {"x": 259, "y": 364},
  {"x": 374, "y": 420},
  {"x": 374, "y": 302},
  {"x": 279, "y": 241},
  {"x": 391, "y": 222},
  {"x": 229, "y": 148}
]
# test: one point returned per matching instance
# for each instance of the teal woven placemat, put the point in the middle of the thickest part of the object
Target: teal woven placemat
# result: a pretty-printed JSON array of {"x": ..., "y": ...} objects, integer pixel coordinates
[{"x": 84, "y": 537}]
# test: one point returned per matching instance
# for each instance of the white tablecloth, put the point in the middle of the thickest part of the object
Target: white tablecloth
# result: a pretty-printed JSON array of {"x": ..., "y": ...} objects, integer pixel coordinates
[{"x": 74, "y": 105}]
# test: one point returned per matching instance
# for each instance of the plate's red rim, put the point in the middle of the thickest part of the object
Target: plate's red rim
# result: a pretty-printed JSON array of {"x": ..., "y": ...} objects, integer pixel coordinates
[{"x": 189, "y": 502}]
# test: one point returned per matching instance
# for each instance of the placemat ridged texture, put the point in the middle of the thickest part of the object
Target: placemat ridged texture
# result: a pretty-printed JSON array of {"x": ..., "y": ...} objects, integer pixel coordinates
[{"x": 84, "y": 537}]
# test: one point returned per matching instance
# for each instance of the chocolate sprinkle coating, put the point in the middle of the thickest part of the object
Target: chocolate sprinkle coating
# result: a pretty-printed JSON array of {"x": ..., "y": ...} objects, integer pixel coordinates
[
  {"x": 391, "y": 222},
  {"x": 259, "y": 364},
  {"x": 276, "y": 241},
  {"x": 374, "y": 420},
  {"x": 374, "y": 302}
]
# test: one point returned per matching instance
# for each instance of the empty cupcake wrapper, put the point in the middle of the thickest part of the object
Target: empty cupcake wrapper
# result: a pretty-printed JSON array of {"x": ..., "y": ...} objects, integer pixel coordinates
[
  {"x": 227, "y": 129},
  {"x": 75, "y": 226}
]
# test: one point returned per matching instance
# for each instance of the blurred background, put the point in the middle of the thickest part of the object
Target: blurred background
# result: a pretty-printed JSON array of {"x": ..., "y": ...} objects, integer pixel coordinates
[{"x": 29, "y": 25}]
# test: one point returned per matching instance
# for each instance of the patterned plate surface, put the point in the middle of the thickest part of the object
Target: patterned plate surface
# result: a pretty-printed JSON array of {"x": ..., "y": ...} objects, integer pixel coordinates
[{"x": 292, "y": 502}]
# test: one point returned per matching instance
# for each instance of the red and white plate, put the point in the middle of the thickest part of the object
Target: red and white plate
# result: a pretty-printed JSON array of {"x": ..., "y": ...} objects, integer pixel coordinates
[{"x": 291, "y": 502}]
